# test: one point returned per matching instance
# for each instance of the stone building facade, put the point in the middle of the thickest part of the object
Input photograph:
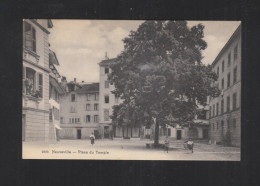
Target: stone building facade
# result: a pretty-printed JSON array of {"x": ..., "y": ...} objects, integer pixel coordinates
[
  {"x": 80, "y": 111},
  {"x": 35, "y": 101},
  {"x": 225, "y": 110}
]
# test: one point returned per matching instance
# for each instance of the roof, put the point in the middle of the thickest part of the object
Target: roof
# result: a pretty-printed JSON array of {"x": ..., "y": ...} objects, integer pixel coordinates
[
  {"x": 75, "y": 83},
  {"x": 88, "y": 88},
  {"x": 107, "y": 62},
  {"x": 227, "y": 45}
]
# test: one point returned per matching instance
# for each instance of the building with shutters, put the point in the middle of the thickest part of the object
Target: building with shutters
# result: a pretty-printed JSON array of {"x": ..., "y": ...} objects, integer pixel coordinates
[
  {"x": 35, "y": 99},
  {"x": 225, "y": 110},
  {"x": 107, "y": 101},
  {"x": 80, "y": 111},
  {"x": 56, "y": 91}
]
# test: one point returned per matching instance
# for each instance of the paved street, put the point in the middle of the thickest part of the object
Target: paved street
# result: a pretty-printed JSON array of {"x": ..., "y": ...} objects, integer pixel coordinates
[{"x": 124, "y": 150}]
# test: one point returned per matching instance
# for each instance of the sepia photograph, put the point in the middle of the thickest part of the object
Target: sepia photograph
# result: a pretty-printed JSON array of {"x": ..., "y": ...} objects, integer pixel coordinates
[{"x": 131, "y": 90}]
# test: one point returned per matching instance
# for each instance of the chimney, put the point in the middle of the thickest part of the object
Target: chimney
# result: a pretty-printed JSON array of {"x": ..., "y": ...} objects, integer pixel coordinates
[
  {"x": 75, "y": 80},
  {"x": 106, "y": 57}
]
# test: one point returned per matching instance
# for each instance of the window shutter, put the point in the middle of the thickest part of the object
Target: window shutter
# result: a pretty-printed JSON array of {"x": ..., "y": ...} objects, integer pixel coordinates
[
  {"x": 40, "y": 84},
  {"x": 28, "y": 36},
  {"x": 36, "y": 84},
  {"x": 33, "y": 40}
]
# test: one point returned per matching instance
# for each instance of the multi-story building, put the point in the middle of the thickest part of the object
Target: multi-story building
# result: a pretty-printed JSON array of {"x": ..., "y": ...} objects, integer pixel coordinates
[
  {"x": 56, "y": 90},
  {"x": 79, "y": 113},
  {"x": 107, "y": 101},
  {"x": 225, "y": 110},
  {"x": 35, "y": 101}
]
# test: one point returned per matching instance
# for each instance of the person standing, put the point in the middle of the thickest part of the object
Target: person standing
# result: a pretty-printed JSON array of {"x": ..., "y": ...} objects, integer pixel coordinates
[
  {"x": 166, "y": 144},
  {"x": 92, "y": 138}
]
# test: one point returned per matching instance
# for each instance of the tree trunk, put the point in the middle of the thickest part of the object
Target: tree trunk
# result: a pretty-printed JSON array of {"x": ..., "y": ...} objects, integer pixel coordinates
[{"x": 156, "y": 134}]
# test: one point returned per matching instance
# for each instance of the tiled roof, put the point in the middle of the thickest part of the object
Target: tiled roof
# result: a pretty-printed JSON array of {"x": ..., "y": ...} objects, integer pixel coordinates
[
  {"x": 90, "y": 87},
  {"x": 107, "y": 62}
]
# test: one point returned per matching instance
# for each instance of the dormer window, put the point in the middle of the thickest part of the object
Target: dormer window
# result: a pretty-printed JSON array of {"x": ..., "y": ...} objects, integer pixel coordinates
[{"x": 29, "y": 37}]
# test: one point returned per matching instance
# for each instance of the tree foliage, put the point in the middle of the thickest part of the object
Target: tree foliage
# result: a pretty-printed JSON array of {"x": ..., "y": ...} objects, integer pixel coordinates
[{"x": 159, "y": 74}]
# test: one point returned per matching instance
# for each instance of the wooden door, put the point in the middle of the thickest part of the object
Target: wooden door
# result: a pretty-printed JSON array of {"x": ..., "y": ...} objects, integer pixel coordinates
[
  {"x": 79, "y": 133},
  {"x": 178, "y": 134}
]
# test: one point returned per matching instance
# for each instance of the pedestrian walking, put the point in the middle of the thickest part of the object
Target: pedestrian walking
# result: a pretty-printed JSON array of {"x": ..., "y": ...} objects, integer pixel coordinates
[
  {"x": 92, "y": 138},
  {"x": 166, "y": 144}
]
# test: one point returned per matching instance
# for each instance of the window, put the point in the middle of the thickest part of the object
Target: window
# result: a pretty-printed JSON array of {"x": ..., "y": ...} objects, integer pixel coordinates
[
  {"x": 73, "y": 97},
  {"x": 235, "y": 53},
  {"x": 222, "y": 126},
  {"x": 32, "y": 83},
  {"x": 62, "y": 120},
  {"x": 106, "y": 115},
  {"x": 88, "y": 97},
  {"x": 106, "y": 84},
  {"x": 201, "y": 115},
  {"x": 234, "y": 123},
  {"x": 87, "y": 118},
  {"x": 222, "y": 83},
  {"x": 235, "y": 75},
  {"x": 87, "y": 106},
  {"x": 229, "y": 59},
  {"x": 50, "y": 115},
  {"x": 106, "y": 70},
  {"x": 228, "y": 103},
  {"x": 223, "y": 66},
  {"x": 217, "y": 109},
  {"x": 218, "y": 71},
  {"x": 29, "y": 37},
  {"x": 210, "y": 111},
  {"x": 73, "y": 109},
  {"x": 96, "y": 96},
  {"x": 40, "y": 85},
  {"x": 213, "y": 126},
  {"x": 96, "y": 106},
  {"x": 228, "y": 124},
  {"x": 74, "y": 120},
  {"x": 234, "y": 101},
  {"x": 106, "y": 99},
  {"x": 213, "y": 110},
  {"x": 222, "y": 106},
  {"x": 228, "y": 80},
  {"x": 96, "y": 118}
]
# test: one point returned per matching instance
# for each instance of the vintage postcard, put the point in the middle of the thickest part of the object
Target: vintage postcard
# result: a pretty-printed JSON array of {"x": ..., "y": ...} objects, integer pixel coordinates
[{"x": 131, "y": 90}]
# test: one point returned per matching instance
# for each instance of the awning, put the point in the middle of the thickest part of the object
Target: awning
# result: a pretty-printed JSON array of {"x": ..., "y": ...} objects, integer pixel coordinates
[
  {"x": 57, "y": 127},
  {"x": 56, "y": 85}
]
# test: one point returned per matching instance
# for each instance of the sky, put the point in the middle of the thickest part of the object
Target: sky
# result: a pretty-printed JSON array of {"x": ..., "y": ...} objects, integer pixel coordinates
[{"x": 81, "y": 44}]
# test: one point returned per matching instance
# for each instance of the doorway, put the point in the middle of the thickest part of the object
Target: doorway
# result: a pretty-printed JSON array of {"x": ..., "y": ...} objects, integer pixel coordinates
[
  {"x": 126, "y": 133},
  {"x": 78, "y": 133},
  {"x": 205, "y": 133},
  {"x": 106, "y": 131},
  {"x": 178, "y": 134}
]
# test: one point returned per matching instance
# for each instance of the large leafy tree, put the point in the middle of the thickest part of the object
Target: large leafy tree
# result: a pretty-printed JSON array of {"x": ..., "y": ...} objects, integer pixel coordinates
[{"x": 160, "y": 76}]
